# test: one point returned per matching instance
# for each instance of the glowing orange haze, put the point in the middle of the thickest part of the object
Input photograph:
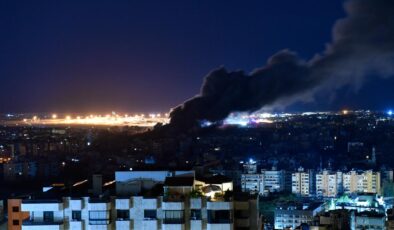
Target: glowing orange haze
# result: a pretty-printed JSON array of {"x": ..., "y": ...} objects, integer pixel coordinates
[{"x": 109, "y": 119}]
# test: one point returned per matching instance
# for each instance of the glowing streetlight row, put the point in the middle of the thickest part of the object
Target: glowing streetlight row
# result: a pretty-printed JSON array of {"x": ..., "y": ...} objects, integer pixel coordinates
[{"x": 108, "y": 119}]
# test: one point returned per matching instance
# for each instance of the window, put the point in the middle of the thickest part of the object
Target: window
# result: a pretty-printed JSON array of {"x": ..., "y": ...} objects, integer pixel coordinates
[
  {"x": 195, "y": 214},
  {"x": 15, "y": 209},
  {"x": 122, "y": 214},
  {"x": 76, "y": 215},
  {"x": 99, "y": 217},
  {"x": 150, "y": 214},
  {"x": 48, "y": 216},
  {"x": 174, "y": 217},
  {"x": 15, "y": 222},
  {"x": 219, "y": 216}
]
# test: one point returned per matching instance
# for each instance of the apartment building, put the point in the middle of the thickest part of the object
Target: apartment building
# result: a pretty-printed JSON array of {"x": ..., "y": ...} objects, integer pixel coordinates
[
  {"x": 328, "y": 183},
  {"x": 169, "y": 204},
  {"x": 274, "y": 180},
  {"x": 290, "y": 216},
  {"x": 362, "y": 182},
  {"x": 263, "y": 183},
  {"x": 302, "y": 182},
  {"x": 253, "y": 183}
]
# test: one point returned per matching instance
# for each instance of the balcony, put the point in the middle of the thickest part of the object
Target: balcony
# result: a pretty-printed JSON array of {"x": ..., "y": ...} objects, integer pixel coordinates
[
  {"x": 39, "y": 225},
  {"x": 76, "y": 204},
  {"x": 173, "y": 202},
  {"x": 41, "y": 205},
  {"x": 122, "y": 203},
  {"x": 150, "y": 224},
  {"x": 149, "y": 203},
  {"x": 123, "y": 224},
  {"x": 100, "y": 227},
  {"x": 173, "y": 226},
  {"x": 196, "y": 224},
  {"x": 99, "y": 204},
  {"x": 220, "y": 205},
  {"x": 218, "y": 226},
  {"x": 195, "y": 203},
  {"x": 175, "y": 220},
  {"x": 77, "y": 225}
]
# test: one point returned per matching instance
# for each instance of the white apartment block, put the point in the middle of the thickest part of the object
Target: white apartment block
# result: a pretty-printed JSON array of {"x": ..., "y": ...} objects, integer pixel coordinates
[
  {"x": 362, "y": 182},
  {"x": 264, "y": 182},
  {"x": 291, "y": 216},
  {"x": 175, "y": 208},
  {"x": 329, "y": 184},
  {"x": 139, "y": 212},
  {"x": 253, "y": 183},
  {"x": 301, "y": 182},
  {"x": 274, "y": 180}
]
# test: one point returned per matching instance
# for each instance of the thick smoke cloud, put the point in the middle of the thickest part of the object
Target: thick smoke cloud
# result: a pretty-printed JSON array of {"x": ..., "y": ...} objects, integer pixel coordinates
[{"x": 363, "y": 45}]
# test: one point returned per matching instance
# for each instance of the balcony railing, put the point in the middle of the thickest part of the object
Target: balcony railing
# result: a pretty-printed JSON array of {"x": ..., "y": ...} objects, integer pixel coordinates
[
  {"x": 220, "y": 221},
  {"x": 34, "y": 222},
  {"x": 43, "y": 201},
  {"x": 174, "y": 221},
  {"x": 99, "y": 221}
]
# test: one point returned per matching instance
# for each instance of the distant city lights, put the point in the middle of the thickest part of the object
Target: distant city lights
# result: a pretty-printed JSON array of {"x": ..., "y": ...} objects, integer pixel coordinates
[
  {"x": 112, "y": 119},
  {"x": 151, "y": 119}
]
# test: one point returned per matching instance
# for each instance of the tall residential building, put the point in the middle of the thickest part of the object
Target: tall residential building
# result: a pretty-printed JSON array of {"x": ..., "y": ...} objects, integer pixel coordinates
[
  {"x": 262, "y": 183},
  {"x": 292, "y": 215},
  {"x": 253, "y": 183},
  {"x": 329, "y": 184},
  {"x": 170, "y": 204},
  {"x": 274, "y": 180},
  {"x": 302, "y": 182},
  {"x": 365, "y": 181}
]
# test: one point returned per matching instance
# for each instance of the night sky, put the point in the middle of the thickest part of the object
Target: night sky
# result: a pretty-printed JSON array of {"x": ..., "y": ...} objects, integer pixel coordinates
[{"x": 148, "y": 56}]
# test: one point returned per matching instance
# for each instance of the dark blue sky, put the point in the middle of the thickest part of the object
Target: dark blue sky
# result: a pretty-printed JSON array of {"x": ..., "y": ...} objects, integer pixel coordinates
[{"x": 96, "y": 56}]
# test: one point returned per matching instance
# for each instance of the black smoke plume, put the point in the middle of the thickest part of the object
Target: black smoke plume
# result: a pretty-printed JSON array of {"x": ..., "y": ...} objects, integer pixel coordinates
[{"x": 362, "y": 45}]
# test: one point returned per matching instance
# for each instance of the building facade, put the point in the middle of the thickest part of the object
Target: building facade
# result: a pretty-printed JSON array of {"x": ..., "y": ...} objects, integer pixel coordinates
[
  {"x": 329, "y": 184},
  {"x": 302, "y": 182},
  {"x": 290, "y": 216},
  {"x": 362, "y": 182}
]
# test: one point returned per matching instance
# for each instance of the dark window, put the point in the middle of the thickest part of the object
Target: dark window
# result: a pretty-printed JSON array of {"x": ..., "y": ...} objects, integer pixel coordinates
[
  {"x": 76, "y": 215},
  {"x": 99, "y": 217},
  {"x": 122, "y": 214},
  {"x": 48, "y": 216},
  {"x": 150, "y": 214},
  {"x": 174, "y": 217},
  {"x": 15, "y": 222},
  {"x": 241, "y": 214},
  {"x": 15, "y": 209},
  {"x": 219, "y": 216},
  {"x": 195, "y": 214}
]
